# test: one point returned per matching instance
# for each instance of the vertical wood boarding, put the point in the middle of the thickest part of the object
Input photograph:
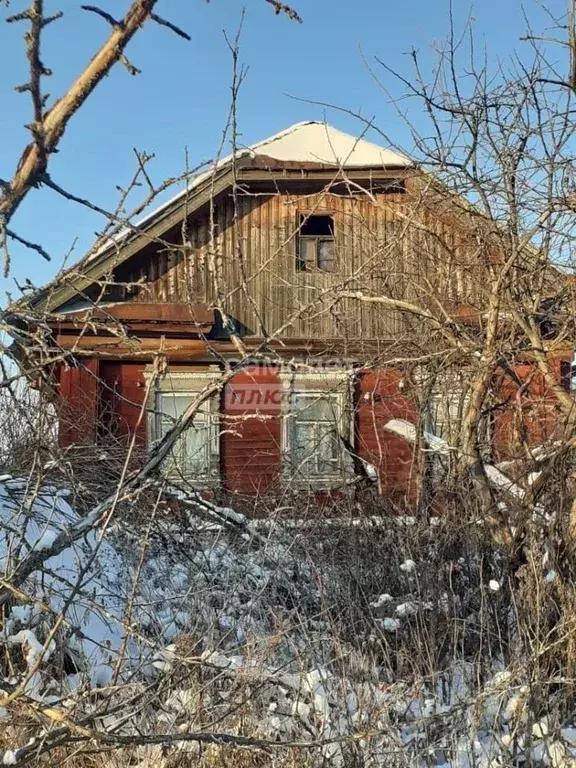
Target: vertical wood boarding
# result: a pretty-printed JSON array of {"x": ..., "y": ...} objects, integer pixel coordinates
[
  {"x": 122, "y": 403},
  {"x": 378, "y": 251},
  {"x": 378, "y": 399},
  {"x": 250, "y": 439},
  {"x": 527, "y": 418},
  {"x": 78, "y": 405}
]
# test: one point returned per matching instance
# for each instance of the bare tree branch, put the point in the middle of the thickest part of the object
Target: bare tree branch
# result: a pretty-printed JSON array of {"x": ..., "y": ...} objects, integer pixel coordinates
[
  {"x": 33, "y": 162},
  {"x": 165, "y": 23}
]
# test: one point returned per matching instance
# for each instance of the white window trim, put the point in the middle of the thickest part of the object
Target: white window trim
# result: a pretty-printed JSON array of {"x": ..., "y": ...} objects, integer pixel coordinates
[
  {"x": 187, "y": 383},
  {"x": 440, "y": 411},
  {"x": 336, "y": 384}
]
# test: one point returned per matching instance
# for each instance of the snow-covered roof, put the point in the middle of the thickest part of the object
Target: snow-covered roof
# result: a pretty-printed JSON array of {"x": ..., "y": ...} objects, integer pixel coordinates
[
  {"x": 315, "y": 142},
  {"x": 307, "y": 142}
]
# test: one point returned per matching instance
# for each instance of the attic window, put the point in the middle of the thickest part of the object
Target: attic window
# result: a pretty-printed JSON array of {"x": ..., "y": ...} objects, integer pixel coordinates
[{"x": 315, "y": 243}]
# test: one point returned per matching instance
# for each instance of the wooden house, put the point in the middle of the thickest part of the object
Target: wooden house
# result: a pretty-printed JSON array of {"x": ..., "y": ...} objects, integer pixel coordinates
[{"x": 290, "y": 264}]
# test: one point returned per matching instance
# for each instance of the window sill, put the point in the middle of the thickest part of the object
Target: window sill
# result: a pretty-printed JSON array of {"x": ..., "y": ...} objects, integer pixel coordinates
[
  {"x": 198, "y": 483},
  {"x": 318, "y": 484}
]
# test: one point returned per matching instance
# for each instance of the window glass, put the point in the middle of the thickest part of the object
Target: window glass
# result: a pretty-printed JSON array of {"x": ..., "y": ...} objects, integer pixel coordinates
[
  {"x": 445, "y": 414},
  {"x": 192, "y": 451},
  {"x": 315, "y": 247},
  {"x": 307, "y": 254},
  {"x": 326, "y": 255},
  {"x": 314, "y": 407},
  {"x": 316, "y": 450},
  {"x": 315, "y": 225}
]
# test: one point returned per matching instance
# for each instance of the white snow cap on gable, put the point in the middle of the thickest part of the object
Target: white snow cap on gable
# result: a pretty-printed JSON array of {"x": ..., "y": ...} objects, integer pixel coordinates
[
  {"x": 322, "y": 143},
  {"x": 309, "y": 142}
]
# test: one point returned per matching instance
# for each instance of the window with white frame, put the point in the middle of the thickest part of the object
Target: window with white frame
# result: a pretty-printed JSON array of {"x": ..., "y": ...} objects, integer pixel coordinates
[
  {"x": 445, "y": 411},
  {"x": 316, "y": 419},
  {"x": 195, "y": 454}
]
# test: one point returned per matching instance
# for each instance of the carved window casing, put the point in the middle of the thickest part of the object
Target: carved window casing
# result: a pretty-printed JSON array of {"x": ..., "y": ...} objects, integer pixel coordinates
[
  {"x": 195, "y": 456},
  {"x": 316, "y": 429}
]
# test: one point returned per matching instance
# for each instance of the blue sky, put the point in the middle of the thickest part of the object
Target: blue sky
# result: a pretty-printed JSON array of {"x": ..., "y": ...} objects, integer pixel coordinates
[{"x": 180, "y": 101}]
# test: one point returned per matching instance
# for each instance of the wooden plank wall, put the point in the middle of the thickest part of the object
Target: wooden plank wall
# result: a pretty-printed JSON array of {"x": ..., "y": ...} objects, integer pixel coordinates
[
  {"x": 122, "y": 396},
  {"x": 528, "y": 416},
  {"x": 78, "y": 404},
  {"x": 379, "y": 398},
  {"x": 250, "y": 423},
  {"x": 251, "y": 432},
  {"x": 378, "y": 249},
  {"x": 102, "y": 401}
]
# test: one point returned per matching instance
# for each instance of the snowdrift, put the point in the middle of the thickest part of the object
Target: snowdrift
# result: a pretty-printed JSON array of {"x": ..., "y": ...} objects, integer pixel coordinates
[{"x": 212, "y": 626}]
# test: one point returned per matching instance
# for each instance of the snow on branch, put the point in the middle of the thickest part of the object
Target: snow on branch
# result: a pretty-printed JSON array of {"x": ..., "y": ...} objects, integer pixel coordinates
[{"x": 435, "y": 444}]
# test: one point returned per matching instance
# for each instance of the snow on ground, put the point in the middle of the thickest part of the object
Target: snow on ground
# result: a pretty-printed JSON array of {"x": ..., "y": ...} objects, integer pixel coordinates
[
  {"x": 212, "y": 590},
  {"x": 250, "y": 609},
  {"x": 30, "y": 523}
]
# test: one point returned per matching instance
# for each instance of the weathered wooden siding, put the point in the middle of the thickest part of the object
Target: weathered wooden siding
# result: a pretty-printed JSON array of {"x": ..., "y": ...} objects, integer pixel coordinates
[
  {"x": 386, "y": 246},
  {"x": 121, "y": 402},
  {"x": 529, "y": 416},
  {"x": 104, "y": 401},
  {"x": 250, "y": 423}
]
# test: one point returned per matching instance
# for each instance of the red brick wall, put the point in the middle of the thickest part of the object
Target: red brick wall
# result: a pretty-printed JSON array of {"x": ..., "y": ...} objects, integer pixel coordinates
[
  {"x": 379, "y": 398},
  {"x": 250, "y": 444}
]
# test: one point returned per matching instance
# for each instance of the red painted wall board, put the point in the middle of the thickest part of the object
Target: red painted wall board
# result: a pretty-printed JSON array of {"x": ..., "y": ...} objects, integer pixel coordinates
[
  {"x": 251, "y": 420},
  {"x": 527, "y": 415},
  {"x": 122, "y": 396},
  {"x": 78, "y": 409},
  {"x": 379, "y": 398}
]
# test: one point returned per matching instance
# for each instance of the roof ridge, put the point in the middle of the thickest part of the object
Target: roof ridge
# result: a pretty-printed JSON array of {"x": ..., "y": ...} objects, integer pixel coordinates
[
  {"x": 218, "y": 164},
  {"x": 302, "y": 142}
]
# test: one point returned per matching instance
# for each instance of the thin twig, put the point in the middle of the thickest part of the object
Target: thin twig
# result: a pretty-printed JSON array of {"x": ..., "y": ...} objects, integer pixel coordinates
[{"x": 165, "y": 23}]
